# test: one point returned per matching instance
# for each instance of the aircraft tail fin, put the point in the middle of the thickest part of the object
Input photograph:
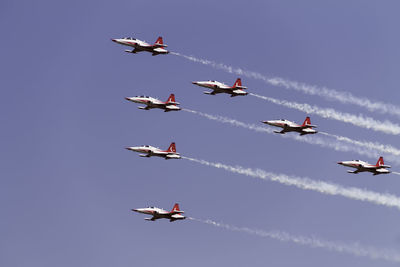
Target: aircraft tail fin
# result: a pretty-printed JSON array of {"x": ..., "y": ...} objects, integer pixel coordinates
[
  {"x": 172, "y": 147},
  {"x": 159, "y": 42},
  {"x": 380, "y": 162},
  {"x": 176, "y": 208},
  {"x": 171, "y": 99},
  {"x": 307, "y": 121},
  {"x": 238, "y": 83}
]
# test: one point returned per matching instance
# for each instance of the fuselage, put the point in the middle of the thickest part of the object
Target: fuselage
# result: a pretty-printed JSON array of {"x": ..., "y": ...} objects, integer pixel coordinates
[
  {"x": 151, "y": 102},
  {"x": 289, "y": 126},
  {"x": 150, "y": 151},
  {"x": 363, "y": 166},
  {"x": 219, "y": 87},
  {"x": 140, "y": 45},
  {"x": 158, "y": 213}
]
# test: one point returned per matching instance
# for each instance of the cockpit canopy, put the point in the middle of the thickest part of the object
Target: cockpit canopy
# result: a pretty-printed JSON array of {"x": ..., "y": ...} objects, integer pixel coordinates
[
  {"x": 129, "y": 38},
  {"x": 145, "y": 96}
]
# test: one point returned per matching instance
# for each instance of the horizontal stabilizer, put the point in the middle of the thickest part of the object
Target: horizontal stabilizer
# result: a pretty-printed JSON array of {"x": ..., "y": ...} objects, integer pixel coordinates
[
  {"x": 382, "y": 171},
  {"x": 309, "y": 126},
  {"x": 385, "y": 166},
  {"x": 174, "y": 156},
  {"x": 177, "y": 211},
  {"x": 172, "y": 107}
]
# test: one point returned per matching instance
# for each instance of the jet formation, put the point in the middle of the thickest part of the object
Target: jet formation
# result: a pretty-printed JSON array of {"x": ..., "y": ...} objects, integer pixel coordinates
[
  {"x": 150, "y": 102},
  {"x": 216, "y": 88}
]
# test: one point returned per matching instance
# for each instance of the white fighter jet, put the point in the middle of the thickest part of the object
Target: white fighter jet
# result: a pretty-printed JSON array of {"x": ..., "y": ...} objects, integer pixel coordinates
[
  {"x": 151, "y": 102},
  {"x": 218, "y": 87},
  {"x": 150, "y": 151},
  {"x": 362, "y": 166},
  {"x": 289, "y": 126},
  {"x": 139, "y": 46},
  {"x": 173, "y": 215}
]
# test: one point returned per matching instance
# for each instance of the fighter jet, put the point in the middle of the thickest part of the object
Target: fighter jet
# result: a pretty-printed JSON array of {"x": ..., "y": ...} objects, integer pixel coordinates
[
  {"x": 138, "y": 46},
  {"x": 150, "y": 151},
  {"x": 218, "y": 88},
  {"x": 362, "y": 166},
  {"x": 173, "y": 215},
  {"x": 289, "y": 126},
  {"x": 151, "y": 102}
]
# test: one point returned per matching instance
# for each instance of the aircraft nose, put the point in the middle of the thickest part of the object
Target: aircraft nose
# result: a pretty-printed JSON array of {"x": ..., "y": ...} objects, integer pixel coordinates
[
  {"x": 128, "y": 148},
  {"x": 340, "y": 162},
  {"x": 127, "y": 98},
  {"x": 134, "y": 210},
  {"x": 194, "y": 82},
  {"x": 114, "y": 40}
]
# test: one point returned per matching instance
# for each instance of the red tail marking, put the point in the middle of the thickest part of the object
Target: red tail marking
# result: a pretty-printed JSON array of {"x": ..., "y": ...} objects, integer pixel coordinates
[
  {"x": 159, "y": 40},
  {"x": 176, "y": 207},
  {"x": 171, "y": 98},
  {"x": 380, "y": 162},
  {"x": 237, "y": 83},
  {"x": 172, "y": 147},
  {"x": 307, "y": 121}
]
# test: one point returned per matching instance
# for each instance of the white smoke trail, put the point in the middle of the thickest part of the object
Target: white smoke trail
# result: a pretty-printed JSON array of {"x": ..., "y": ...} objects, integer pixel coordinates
[
  {"x": 384, "y": 199},
  {"x": 365, "y": 148},
  {"x": 370, "y": 145},
  {"x": 397, "y": 173},
  {"x": 354, "y": 249},
  {"x": 330, "y": 94},
  {"x": 329, "y": 113}
]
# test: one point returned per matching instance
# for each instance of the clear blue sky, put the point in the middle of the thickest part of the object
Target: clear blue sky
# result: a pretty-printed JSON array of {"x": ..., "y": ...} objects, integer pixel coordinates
[{"x": 67, "y": 184}]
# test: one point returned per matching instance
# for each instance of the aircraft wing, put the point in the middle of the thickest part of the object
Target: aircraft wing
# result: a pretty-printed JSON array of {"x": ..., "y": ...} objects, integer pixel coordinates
[{"x": 370, "y": 167}]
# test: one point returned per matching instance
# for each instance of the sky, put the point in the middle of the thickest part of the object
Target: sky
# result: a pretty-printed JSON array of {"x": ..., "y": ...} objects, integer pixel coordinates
[{"x": 67, "y": 184}]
